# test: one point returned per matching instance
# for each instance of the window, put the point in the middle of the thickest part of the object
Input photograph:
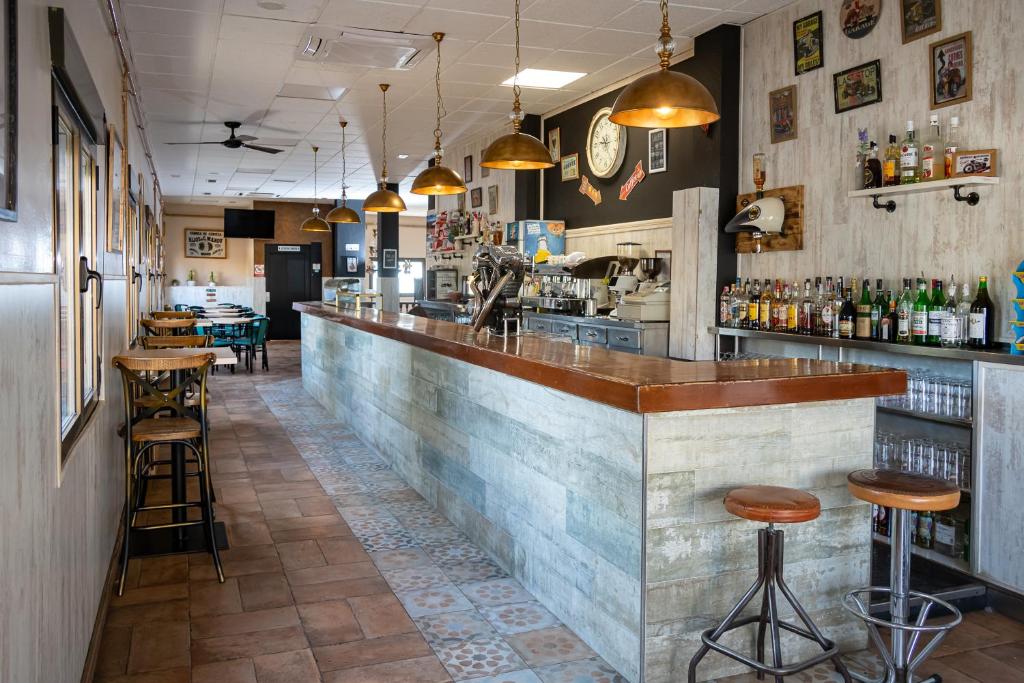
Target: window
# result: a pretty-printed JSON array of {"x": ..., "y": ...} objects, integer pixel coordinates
[
  {"x": 410, "y": 284},
  {"x": 75, "y": 232}
]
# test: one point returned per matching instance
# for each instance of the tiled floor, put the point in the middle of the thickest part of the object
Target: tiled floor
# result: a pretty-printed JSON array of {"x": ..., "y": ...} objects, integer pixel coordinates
[{"x": 339, "y": 572}]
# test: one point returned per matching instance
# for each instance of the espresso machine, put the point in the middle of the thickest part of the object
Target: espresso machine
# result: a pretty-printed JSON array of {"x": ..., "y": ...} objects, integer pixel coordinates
[
  {"x": 650, "y": 301},
  {"x": 498, "y": 273},
  {"x": 625, "y": 281}
]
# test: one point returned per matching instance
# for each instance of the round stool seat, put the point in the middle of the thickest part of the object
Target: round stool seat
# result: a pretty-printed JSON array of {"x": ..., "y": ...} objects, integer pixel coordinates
[
  {"x": 772, "y": 504},
  {"x": 903, "y": 490}
]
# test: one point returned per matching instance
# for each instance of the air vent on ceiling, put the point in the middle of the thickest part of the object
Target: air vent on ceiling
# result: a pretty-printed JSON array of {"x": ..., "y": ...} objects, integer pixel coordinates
[
  {"x": 260, "y": 194},
  {"x": 367, "y": 48}
]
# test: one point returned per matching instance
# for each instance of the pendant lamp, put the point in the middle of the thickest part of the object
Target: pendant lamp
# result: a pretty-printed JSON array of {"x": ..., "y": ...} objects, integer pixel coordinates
[
  {"x": 665, "y": 99},
  {"x": 517, "y": 150},
  {"x": 384, "y": 200},
  {"x": 343, "y": 214},
  {"x": 315, "y": 223},
  {"x": 438, "y": 179}
]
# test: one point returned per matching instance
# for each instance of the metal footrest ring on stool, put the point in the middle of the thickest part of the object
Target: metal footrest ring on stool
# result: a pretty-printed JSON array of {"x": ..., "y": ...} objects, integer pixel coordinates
[{"x": 895, "y": 673}]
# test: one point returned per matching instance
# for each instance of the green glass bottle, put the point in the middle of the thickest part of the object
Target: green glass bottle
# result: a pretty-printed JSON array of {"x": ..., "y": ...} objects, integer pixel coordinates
[
  {"x": 863, "y": 324},
  {"x": 879, "y": 309},
  {"x": 981, "y": 322},
  {"x": 919, "y": 317},
  {"x": 936, "y": 312}
]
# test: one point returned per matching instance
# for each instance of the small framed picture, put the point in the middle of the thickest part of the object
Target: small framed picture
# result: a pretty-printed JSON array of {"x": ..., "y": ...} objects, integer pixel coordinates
[
  {"x": 555, "y": 144},
  {"x": 808, "y": 53},
  {"x": 782, "y": 110},
  {"x": 484, "y": 170},
  {"x": 390, "y": 259},
  {"x": 919, "y": 18},
  {"x": 952, "y": 76},
  {"x": 570, "y": 166},
  {"x": 476, "y": 197},
  {"x": 974, "y": 162},
  {"x": 492, "y": 199},
  {"x": 858, "y": 87},
  {"x": 467, "y": 169},
  {"x": 858, "y": 18},
  {"x": 657, "y": 150}
]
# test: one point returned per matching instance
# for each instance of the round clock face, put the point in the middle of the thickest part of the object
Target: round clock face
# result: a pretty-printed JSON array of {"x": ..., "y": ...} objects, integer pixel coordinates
[{"x": 606, "y": 144}]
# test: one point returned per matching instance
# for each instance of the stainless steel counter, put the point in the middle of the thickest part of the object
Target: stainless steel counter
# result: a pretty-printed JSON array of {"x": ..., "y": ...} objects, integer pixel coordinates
[{"x": 630, "y": 336}]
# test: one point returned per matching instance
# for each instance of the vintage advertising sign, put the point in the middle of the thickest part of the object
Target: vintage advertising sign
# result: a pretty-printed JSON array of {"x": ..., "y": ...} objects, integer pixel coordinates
[
  {"x": 205, "y": 244},
  {"x": 592, "y": 192},
  {"x": 634, "y": 179}
]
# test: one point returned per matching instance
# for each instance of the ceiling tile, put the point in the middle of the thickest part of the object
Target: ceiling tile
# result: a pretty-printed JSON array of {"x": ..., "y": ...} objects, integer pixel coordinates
[
  {"x": 578, "y": 12},
  {"x": 381, "y": 16},
  {"x": 170, "y": 22},
  {"x": 538, "y": 34},
  {"x": 256, "y": 31},
  {"x": 646, "y": 17},
  {"x": 462, "y": 25},
  {"x": 306, "y": 11}
]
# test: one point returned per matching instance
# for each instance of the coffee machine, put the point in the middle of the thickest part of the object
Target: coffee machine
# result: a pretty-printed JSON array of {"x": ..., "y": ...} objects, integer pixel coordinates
[
  {"x": 624, "y": 282},
  {"x": 650, "y": 302},
  {"x": 497, "y": 276}
]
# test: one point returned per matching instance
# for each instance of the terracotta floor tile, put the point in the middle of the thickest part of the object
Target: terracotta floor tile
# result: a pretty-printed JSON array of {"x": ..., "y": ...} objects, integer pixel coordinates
[
  {"x": 342, "y": 550},
  {"x": 266, "y": 477},
  {"x": 301, "y": 522},
  {"x": 148, "y": 613},
  {"x": 239, "y": 512},
  {"x": 981, "y": 666},
  {"x": 381, "y": 615},
  {"x": 240, "y": 554},
  {"x": 237, "y": 568},
  {"x": 139, "y": 596},
  {"x": 179, "y": 675},
  {"x": 114, "y": 648},
  {"x": 286, "y": 667},
  {"x": 337, "y": 590},
  {"x": 366, "y": 652},
  {"x": 300, "y": 473},
  {"x": 332, "y": 572},
  {"x": 1011, "y": 654},
  {"x": 421, "y": 669},
  {"x": 158, "y": 571},
  {"x": 249, "y": 533},
  {"x": 233, "y": 671},
  {"x": 245, "y": 622},
  {"x": 300, "y": 554},
  {"x": 264, "y": 591},
  {"x": 329, "y": 622},
  {"x": 209, "y": 598},
  {"x": 316, "y": 506},
  {"x": 235, "y": 494},
  {"x": 301, "y": 534},
  {"x": 247, "y": 645},
  {"x": 158, "y": 646},
  {"x": 281, "y": 509}
]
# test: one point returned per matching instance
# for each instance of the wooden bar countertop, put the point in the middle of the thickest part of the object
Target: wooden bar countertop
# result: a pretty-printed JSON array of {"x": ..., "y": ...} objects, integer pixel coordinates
[{"x": 640, "y": 384}]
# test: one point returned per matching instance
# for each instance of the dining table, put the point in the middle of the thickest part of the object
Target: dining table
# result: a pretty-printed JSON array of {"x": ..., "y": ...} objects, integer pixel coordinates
[
  {"x": 178, "y": 540},
  {"x": 209, "y": 322}
]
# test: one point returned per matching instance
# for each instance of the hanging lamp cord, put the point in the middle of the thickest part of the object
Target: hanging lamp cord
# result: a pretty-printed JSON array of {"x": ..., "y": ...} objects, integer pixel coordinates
[
  {"x": 666, "y": 46},
  {"x": 316, "y": 201},
  {"x": 441, "y": 112},
  {"x": 344, "y": 166},
  {"x": 516, "y": 90},
  {"x": 384, "y": 136}
]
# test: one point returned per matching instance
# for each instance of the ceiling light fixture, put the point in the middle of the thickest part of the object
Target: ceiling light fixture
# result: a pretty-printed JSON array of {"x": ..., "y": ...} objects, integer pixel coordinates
[
  {"x": 517, "y": 150},
  {"x": 665, "y": 99},
  {"x": 343, "y": 214},
  {"x": 403, "y": 156},
  {"x": 438, "y": 179},
  {"x": 315, "y": 223},
  {"x": 544, "y": 78},
  {"x": 384, "y": 200}
]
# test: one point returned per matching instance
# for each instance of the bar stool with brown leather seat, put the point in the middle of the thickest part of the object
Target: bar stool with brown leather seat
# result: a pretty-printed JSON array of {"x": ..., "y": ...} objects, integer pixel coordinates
[
  {"x": 774, "y": 505},
  {"x": 169, "y": 327},
  {"x": 903, "y": 492}
]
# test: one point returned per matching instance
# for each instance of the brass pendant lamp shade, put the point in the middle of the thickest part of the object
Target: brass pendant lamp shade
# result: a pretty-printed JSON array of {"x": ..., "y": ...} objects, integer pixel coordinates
[
  {"x": 517, "y": 150},
  {"x": 315, "y": 223},
  {"x": 665, "y": 99},
  {"x": 384, "y": 200},
  {"x": 343, "y": 214},
  {"x": 438, "y": 179}
]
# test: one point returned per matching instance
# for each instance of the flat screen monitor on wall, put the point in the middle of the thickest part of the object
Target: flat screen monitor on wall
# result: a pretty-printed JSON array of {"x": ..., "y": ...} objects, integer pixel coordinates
[{"x": 256, "y": 223}]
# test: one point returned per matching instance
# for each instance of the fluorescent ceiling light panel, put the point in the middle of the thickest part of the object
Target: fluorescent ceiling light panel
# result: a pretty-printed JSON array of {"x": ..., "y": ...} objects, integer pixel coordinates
[{"x": 545, "y": 78}]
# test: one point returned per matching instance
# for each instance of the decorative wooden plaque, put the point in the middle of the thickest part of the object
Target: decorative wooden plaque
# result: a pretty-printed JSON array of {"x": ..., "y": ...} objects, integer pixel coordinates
[{"x": 792, "y": 236}]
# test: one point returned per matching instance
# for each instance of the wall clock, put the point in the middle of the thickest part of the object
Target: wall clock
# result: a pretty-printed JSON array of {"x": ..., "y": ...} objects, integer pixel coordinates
[{"x": 606, "y": 144}]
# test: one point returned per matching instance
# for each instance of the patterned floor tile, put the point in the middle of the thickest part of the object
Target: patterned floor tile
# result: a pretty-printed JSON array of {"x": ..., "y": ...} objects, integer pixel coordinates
[
  {"x": 457, "y": 552},
  {"x": 401, "y": 559},
  {"x": 519, "y": 617},
  {"x": 394, "y": 540},
  {"x": 414, "y": 578},
  {"x": 594, "y": 670},
  {"x": 522, "y": 676},
  {"x": 435, "y": 600},
  {"x": 423, "y": 521},
  {"x": 410, "y": 508},
  {"x": 371, "y": 526},
  {"x": 549, "y": 646},
  {"x": 497, "y": 592},
  {"x": 440, "y": 534},
  {"x": 479, "y": 657},
  {"x": 399, "y": 495},
  {"x": 476, "y": 570},
  {"x": 442, "y": 630}
]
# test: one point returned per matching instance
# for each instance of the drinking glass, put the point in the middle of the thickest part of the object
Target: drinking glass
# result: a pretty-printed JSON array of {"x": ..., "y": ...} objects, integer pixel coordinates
[
  {"x": 964, "y": 458},
  {"x": 952, "y": 466}
]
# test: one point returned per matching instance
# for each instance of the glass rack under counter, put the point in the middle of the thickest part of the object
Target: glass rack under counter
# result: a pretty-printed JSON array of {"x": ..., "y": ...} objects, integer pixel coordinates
[{"x": 959, "y": 420}]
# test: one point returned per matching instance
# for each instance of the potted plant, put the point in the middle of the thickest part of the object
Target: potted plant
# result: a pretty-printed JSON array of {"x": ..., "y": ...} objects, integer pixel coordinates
[
  {"x": 191, "y": 282},
  {"x": 213, "y": 280}
]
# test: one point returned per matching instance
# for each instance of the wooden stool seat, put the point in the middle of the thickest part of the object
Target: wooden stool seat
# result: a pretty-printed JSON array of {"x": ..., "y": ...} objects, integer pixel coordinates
[
  {"x": 165, "y": 429},
  {"x": 903, "y": 490},
  {"x": 773, "y": 504}
]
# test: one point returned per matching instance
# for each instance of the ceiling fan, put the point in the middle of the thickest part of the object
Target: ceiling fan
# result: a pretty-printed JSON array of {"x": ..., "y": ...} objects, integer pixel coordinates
[{"x": 233, "y": 142}]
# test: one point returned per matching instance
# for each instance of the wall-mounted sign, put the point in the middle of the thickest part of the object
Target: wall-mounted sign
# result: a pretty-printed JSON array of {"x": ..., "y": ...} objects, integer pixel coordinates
[
  {"x": 288, "y": 248},
  {"x": 350, "y": 246},
  {"x": 592, "y": 192},
  {"x": 634, "y": 179},
  {"x": 390, "y": 259},
  {"x": 205, "y": 244},
  {"x": 259, "y": 270},
  {"x": 859, "y": 17}
]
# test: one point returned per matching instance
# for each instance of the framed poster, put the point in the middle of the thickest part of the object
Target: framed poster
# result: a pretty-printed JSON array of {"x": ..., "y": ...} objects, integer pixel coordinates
[
  {"x": 476, "y": 197},
  {"x": 952, "y": 75},
  {"x": 859, "y": 17},
  {"x": 492, "y": 199},
  {"x": 858, "y": 87},
  {"x": 919, "y": 18},
  {"x": 9, "y": 112},
  {"x": 115, "y": 191},
  {"x": 570, "y": 166},
  {"x": 974, "y": 162},
  {"x": 205, "y": 244},
  {"x": 782, "y": 111},
  {"x": 390, "y": 259},
  {"x": 808, "y": 53},
  {"x": 467, "y": 169},
  {"x": 657, "y": 150},
  {"x": 555, "y": 144}
]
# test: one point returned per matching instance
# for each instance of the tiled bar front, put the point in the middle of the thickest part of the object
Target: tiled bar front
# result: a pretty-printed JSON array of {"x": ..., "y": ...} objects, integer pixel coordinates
[{"x": 611, "y": 518}]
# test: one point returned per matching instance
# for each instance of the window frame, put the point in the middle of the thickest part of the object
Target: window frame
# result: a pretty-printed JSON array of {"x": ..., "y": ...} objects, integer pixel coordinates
[{"x": 416, "y": 295}]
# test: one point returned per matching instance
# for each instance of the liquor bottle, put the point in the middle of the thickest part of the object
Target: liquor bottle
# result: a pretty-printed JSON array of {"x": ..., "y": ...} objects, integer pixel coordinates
[
  {"x": 861, "y": 159},
  {"x": 879, "y": 309},
  {"x": 936, "y": 312},
  {"x": 891, "y": 166},
  {"x": 793, "y": 310},
  {"x": 863, "y": 313},
  {"x": 919, "y": 318},
  {"x": 951, "y": 334},
  {"x": 806, "y": 326},
  {"x": 734, "y": 304},
  {"x": 724, "y": 310},
  {"x": 952, "y": 144},
  {"x": 838, "y": 299},
  {"x": 887, "y": 325},
  {"x": 872, "y": 168},
  {"x": 754, "y": 307},
  {"x": 925, "y": 529},
  {"x": 819, "y": 305},
  {"x": 847, "y": 315},
  {"x": 910, "y": 158},
  {"x": 981, "y": 325},
  {"x": 764, "y": 309},
  {"x": 779, "y": 308},
  {"x": 883, "y": 521},
  {"x": 933, "y": 152},
  {"x": 963, "y": 313},
  {"x": 904, "y": 315}
]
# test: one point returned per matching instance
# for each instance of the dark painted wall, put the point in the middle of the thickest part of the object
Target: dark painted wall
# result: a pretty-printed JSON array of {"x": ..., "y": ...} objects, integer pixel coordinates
[{"x": 350, "y": 233}]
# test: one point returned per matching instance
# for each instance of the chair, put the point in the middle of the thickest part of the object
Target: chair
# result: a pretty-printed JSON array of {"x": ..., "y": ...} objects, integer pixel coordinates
[
  {"x": 234, "y": 336},
  {"x": 257, "y": 341},
  {"x": 182, "y": 341},
  {"x": 183, "y": 429},
  {"x": 181, "y": 307},
  {"x": 773, "y": 505},
  {"x": 172, "y": 315},
  {"x": 169, "y": 327}
]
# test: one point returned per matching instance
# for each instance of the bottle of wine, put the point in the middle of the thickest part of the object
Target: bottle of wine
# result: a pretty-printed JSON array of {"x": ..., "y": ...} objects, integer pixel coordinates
[
  {"x": 872, "y": 168},
  {"x": 847, "y": 315},
  {"x": 904, "y": 315},
  {"x": 982, "y": 322},
  {"x": 863, "y": 312},
  {"x": 887, "y": 325},
  {"x": 936, "y": 311},
  {"x": 879, "y": 309},
  {"x": 951, "y": 332},
  {"x": 919, "y": 319}
]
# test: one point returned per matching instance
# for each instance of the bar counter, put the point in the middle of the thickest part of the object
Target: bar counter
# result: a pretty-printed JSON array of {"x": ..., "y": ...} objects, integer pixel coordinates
[{"x": 596, "y": 477}]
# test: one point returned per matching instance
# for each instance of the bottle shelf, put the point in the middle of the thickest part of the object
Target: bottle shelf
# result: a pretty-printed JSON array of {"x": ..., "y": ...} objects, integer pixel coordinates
[
  {"x": 955, "y": 184},
  {"x": 931, "y": 417},
  {"x": 930, "y": 555}
]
